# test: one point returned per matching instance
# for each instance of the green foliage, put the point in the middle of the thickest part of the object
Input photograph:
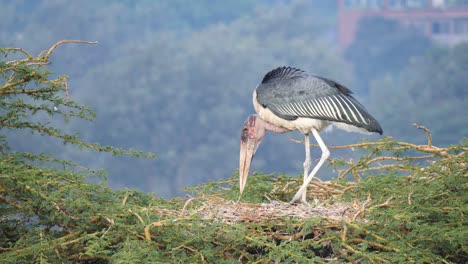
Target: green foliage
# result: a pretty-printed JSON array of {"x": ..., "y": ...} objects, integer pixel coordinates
[
  {"x": 424, "y": 217},
  {"x": 44, "y": 200},
  {"x": 31, "y": 100},
  {"x": 260, "y": 189},
  {"x": 53, "y": 216}
]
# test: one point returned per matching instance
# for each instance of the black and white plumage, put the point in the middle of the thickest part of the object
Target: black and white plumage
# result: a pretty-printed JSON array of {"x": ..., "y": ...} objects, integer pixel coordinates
[
  {"x": 290, "y": 99},
  {"x": 298, "y": 97}
]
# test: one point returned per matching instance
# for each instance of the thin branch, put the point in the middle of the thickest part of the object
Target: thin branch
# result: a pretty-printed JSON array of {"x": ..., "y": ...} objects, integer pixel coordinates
[
  {"x": 384, "y": 167},
  {"x": 58, "y": 241},
  {"x": 159, "y": 224},
  {"x": 385, "y": 158},
  {"x": 373, "y": 244},
  {"x": 28, "y": 92},
  {"x": 357, "y": 145},
  {"x": 386, "y": 203},
  {"x": 10, "y": 202},
  {"x": 428, "y": 133},
  {"x": 49, "y": 52},
  {"x": 9, "y": 85},
  {"x": 20, "y": 50}
]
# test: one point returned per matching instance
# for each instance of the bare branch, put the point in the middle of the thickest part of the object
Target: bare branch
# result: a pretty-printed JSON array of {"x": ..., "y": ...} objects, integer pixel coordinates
[
  {"x": 20, "y": 50},
  {"x": 428, "y": 133},
  {"x": 49, "y": 52}
]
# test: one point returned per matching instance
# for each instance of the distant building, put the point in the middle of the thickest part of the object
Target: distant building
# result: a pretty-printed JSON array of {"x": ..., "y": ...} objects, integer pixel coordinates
[{"x": 444, "y": 21}]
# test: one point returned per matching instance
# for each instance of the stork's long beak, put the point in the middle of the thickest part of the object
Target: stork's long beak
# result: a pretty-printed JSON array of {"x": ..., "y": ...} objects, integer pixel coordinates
[
  {"x": 251, "y": 136},
  {"x": 247, "y": 151}
]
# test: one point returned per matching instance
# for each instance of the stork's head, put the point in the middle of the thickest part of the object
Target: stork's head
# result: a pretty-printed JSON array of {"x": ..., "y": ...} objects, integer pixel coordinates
[{"x": 251, "y": 136}]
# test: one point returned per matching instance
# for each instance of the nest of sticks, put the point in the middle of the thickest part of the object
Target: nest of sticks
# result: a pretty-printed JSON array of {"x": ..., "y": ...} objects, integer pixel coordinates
[
  {"x": 322, "y": 205},
  {"x": 232, "y": 212}
]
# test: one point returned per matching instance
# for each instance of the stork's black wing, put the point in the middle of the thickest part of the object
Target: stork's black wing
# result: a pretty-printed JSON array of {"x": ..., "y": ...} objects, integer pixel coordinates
[{"x": 291, "y": 93}]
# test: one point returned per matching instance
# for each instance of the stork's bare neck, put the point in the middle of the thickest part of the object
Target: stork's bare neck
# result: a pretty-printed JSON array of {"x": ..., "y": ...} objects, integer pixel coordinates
[{"x": 262, "y": 124}]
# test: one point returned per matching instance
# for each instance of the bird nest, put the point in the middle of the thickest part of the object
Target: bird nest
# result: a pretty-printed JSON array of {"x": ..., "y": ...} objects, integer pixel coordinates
[
  {"x": 213, "y": 207},
  {"x": 232, "y": 212}
]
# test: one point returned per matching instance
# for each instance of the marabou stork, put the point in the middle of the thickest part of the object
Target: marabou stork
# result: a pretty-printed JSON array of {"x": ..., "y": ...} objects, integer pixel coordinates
[{"x": 290, "y": 99}]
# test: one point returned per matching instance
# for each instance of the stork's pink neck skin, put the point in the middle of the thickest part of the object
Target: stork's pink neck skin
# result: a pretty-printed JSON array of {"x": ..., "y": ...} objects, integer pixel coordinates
[
  {"x": 254, "y": 122},
  {"x": 273, "y": 128},
  {"x": 252, "y": 134}
]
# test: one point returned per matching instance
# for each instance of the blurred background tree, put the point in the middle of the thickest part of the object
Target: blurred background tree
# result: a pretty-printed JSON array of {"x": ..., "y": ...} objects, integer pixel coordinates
[
  {"x": 383, "y": 47},
  {"x": 177, "y": 77},
  {"x": 430, "y": 90}
]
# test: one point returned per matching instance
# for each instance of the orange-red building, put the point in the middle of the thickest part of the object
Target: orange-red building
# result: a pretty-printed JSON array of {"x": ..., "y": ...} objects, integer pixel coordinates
[{"x": 440, "y": 20}]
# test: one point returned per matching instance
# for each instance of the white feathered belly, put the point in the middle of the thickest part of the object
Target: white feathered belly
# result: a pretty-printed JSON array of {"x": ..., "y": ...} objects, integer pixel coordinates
[{"x": 303, "y": 124}]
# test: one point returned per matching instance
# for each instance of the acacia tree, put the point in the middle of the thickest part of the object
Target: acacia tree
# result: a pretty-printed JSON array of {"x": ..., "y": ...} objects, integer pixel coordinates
[
  {"x": 51, "y": 214},
  {"x": 28, "y": 94},
  {"x": 46, "y": 203}
]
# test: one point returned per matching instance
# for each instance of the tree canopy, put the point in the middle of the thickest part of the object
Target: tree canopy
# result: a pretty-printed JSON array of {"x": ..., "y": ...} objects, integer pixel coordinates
[{"x": 52, "y": 213}]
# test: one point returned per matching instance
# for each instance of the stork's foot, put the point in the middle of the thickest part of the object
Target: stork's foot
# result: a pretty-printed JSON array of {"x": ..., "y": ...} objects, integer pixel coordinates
[
  {"x": 300, "y": 195},
  {"x": 299, "y": 198},
  {"x": 304, "y": 202}
]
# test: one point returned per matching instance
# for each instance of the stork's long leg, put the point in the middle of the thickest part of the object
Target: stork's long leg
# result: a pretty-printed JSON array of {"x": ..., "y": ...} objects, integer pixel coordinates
[
  {"x": 307, "y": 164},
  {"x": 325, "y": 155}
]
